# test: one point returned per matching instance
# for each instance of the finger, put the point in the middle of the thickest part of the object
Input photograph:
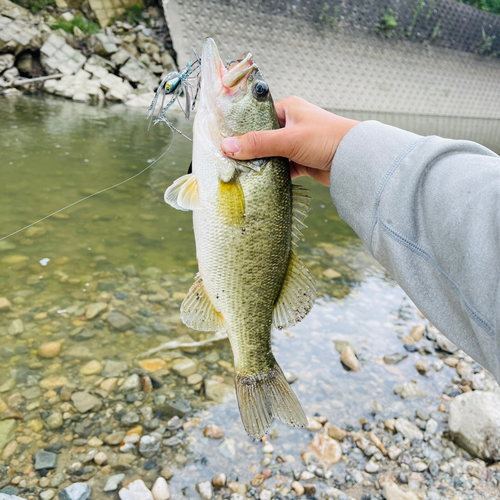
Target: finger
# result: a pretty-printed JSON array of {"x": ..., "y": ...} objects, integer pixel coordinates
[
  {"x": 297, "y": 170},
  {"x": 259, "y": 144}
]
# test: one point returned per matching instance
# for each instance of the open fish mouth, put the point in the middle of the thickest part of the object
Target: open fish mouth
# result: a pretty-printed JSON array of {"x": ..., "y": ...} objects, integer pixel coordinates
[{"x": 218, "y": 79}]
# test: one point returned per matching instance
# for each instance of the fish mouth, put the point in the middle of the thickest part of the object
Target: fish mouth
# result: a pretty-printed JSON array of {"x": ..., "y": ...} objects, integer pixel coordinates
[{"x": 218, "y": 79}]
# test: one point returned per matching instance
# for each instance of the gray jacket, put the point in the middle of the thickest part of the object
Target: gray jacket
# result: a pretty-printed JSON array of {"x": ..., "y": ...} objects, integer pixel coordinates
[{"x": 428, "y": 209}]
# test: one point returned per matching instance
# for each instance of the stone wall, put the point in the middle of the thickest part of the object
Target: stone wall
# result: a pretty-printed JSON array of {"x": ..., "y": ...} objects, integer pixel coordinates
[{"x": 345, "y": 64}]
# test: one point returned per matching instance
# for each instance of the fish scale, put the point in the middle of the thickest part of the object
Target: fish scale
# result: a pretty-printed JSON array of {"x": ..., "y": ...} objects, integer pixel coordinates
[{"x": 246, "y": 217}]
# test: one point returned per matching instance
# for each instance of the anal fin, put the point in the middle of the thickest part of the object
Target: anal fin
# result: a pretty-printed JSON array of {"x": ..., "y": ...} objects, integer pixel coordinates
[
  {"x": 297, "y": 296},
  {"x": 198, "y": 311}
]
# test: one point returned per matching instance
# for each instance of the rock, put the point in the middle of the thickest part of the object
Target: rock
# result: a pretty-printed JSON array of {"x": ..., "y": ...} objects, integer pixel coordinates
[
  {"x": 393, "y": 492},
  {"x": 49, "y": 350},
  {"x": 35, "y": 232},
  {"x": 5, "y": 304},
  {"x": 114, "y": 368},
  {"x": 100, "y": 458},
  {"x": 131, "y": 383},
  {"x": 337, "y": 433},
  {"x": 85, "y": 402},
  {"x": 422, "y": 367},
  {"x": 160, "y": 489},
  {"x": 130, "y": 418},
  {"x": 119, "y": 321},
  {"x": 417, "y": 333},
  {"x": 409, "y": 430},
  {"x": 438, "y": 365},
  {"x": 475, "y": 421},
  {"x": 57, "y": 56},
  {"x": 451, "y": 361},
  {"x": 372, "y": 467},
  {"x": 218, "y": 392},
  {"x": 102, "y": 44},
  {"x": 219, "y": 481},
  {"x": 77, "y": 491},
  {"x": 47, "y": 495},
  {"x": 148, "y": 446},
  {"x": 136, "y": 490},
  {"x": 54, "y": 420},
  {"x": 328, "y": 450},
  {"x": 205, "y": 489},
  {"x": 349, "y": 359},
  {"x": 114, "y": 438},
  {"x": 185, "y": 367},
  {"x": 16, "y": 327},
  {"x": 91, "y": 368},
  {"x": 213, "y": 432},
  {"x": 136, "y": 72},
  {"x": 409, "y": 390},
  {"x": 9, "y": 450},
  {"x": 445, "y": 344},
  {"x": 45, "y": 460},
  {"x": 152, "y": 365},
  {"x": 120, "y": 57},
  {"x": 290, "y": 376},
  {"x": 298, "y": 488},
  {"x": 395, "y": 358},
  {"x": 113, "y": 482},
  {"x": 6, "y": 62},
  {"x": 313, "y": 425},
  {"x": 17, "y": 36},
  {"x": 228, "y": 448},
  {"x": 195, "y": 379},
  {"x": 54, "y": 382},
  {"x": 7, "y": 429},
  {"x": 331, "y": 274},
  {"x": 431, "y": 426},
  {"x": 95, "y": 309}
]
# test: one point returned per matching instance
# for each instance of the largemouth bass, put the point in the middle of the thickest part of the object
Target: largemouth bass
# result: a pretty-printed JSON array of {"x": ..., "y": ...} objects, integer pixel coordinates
[{"x": 247, "y": 216}]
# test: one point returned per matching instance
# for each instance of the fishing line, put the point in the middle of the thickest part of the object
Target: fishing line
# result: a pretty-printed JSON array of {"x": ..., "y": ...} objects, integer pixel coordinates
[{"x": 92, "y": 195}]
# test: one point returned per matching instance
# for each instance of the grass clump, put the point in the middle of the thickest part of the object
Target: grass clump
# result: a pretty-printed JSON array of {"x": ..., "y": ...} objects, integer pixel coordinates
[
  {"x": 79, "y": 21},
  {"x": 388, "y": 23},
  {"x": 134, "y": 14}
]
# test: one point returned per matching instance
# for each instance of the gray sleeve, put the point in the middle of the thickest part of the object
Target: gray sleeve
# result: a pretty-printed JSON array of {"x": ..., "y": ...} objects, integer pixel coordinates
[{"x": 428, "y": 210}]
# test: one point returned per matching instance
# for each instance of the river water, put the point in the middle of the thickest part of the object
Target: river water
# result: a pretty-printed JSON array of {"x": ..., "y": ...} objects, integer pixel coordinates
[{"x": 127, "y": 249}]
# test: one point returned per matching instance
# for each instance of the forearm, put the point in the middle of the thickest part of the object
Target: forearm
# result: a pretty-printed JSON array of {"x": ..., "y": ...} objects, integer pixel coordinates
[{"x": 429, "y": 211}]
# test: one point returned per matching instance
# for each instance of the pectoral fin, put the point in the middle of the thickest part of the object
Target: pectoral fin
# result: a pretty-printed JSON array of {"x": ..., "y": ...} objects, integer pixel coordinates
[
  {"x": 183, "y": 193},
  {"x": 198, "y": 311},
  {"x": 297, "y": 295}
]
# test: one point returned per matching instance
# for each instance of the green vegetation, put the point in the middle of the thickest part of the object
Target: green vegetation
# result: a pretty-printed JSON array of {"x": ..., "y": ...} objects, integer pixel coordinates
[
  {"x": 486, "y": 5},
  {"x": 486, "y": 44},
  {"x": 430, "y": 9},
  {"x": 435, "y": 31},
  {"x": 35, "y": 5},
  {"x": 388, "y": 23},
  {"x": 416, "y": 13},
  {"x": 326, "y": 18},
  {"x": 134, "y": 14},
  {"x": 81, "y": 22}
]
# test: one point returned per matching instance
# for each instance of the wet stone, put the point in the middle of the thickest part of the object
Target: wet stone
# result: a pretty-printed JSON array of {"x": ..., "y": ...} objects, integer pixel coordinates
[
  {"x": 409, "y": 391},
  {"x": 136, "y": 490},
  {"x": 115, "y": 438},
  {"x": 205, "y": 490},
  {"x": 160, "y": 489},
  {"x": 395, "y": 358},
  {"x": 77, "y": 491},
  {"x": 148, "y": 446},
  {"x": 131, "y": 383},
  {"x": 114, "y": 368},
  {"x": 113, "y": 482},
  {"x": 119, "y": 321},
  {"x": 130, "y": 418},
  {"x": 16, "y": 327},
  {"x": 213, "y": 432},
  {"x": 55, "y": 420},
  {"x": 45, "y": 460},
  {"x": 85, "y": 402},
  {"x": 5, "y": 304}
]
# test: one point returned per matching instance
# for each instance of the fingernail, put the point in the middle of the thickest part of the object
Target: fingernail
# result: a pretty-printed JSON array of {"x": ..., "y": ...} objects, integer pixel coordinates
[{"x": 230, "y": 145}]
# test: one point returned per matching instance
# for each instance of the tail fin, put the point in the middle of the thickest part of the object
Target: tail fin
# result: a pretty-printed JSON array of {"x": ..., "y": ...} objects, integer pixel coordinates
[{"x": 263, "y": 397}]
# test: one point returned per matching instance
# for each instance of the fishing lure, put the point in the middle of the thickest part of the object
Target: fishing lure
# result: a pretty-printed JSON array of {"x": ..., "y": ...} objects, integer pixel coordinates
[{"x": 175, "y": 84}]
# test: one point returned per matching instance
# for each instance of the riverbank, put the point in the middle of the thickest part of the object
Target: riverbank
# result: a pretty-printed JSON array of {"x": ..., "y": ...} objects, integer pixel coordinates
[{"x": 62, "y": 52}]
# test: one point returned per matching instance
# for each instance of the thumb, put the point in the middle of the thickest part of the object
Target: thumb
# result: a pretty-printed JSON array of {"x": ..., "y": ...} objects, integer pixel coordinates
[{"x": 258, "y": 144}]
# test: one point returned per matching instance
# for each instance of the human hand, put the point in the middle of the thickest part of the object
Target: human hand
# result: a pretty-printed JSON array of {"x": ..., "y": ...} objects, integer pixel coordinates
[{"x": 309, "y": 138}]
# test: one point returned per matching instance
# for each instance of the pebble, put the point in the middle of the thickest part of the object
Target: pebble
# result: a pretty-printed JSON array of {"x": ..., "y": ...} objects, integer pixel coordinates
[
  {"x": 372, "y": 467},
  {"x": 265, "y": 494},
  {"x": 47, "y": 495},
  {"x": 100, "y": 458},
  {"x": 152, "y": 365},
  {"x": 395, "y": 358},
  {"x": 337, "y": 433},
  {"x": 95, "y": 309},
  {"x": 298, "y": 488},
  {"x": 195, "y": 379},
  {"x": 85, "y": 402},
  {"x": 114, "y": 438},
  {"x": 213, "y": 432},
  {"x": 331, "y": 274},
  {"x": 205, "y": 490},
  {"x": 431, "y": 426},
  {"x": 328, "y": 450},
  {"x": 185, "y": 368},
  {"x": 313, "y": 425},
  {"x": 148, "y": 446},
  {"x": 438, "y": 365},
  {"x": 450, "y": 361},
  {"x": 113, "y": 482},
  {"x": 45, "y": 460},
  {"x": 5, "y": 304},
  {"x": 54, "y": 420},
  {"x": 91, "y": 368},
  {"x": 136, "y": 490},
  {"x": 348, "y": 358},
  {"x": 160, "y": 489},
  {"x": 131, "y": 383},
  {"x": 16, "y": 327},
  {"x": 219, "y": 481},
  {"x": 394, "y": 492},
  {"x": 409, "y": 430},
  {"x": 422, "y": 367},
  {"x": 77, "y": 491},
  {"x": 130, "y": 418},
  {"x": 49, "y": 350},
  {"x": 409, "y": 390},
  {"x": 119, "y": 321}
]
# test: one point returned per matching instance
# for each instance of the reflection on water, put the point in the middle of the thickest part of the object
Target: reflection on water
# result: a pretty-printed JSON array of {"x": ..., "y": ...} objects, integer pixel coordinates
[{"x": 125, "y": 250}]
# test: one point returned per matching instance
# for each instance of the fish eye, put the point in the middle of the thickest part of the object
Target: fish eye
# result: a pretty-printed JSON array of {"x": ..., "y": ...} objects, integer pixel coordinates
[{"x": 260, "y": 90}]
